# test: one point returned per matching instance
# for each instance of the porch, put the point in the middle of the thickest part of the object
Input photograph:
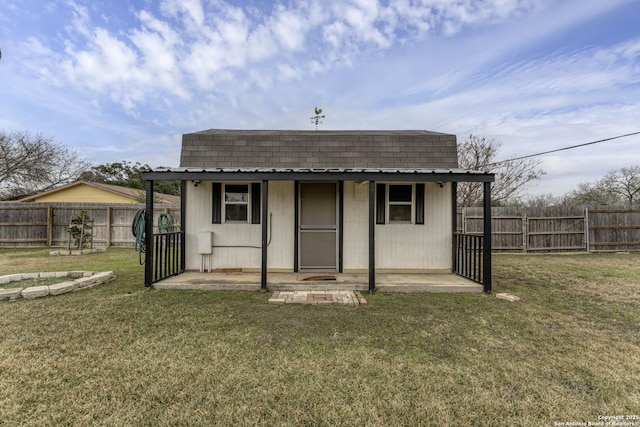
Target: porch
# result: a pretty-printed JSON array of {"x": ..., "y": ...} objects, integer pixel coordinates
[
  {"x": 469, "y": 256},
  {"x": 385, "y": 282}
]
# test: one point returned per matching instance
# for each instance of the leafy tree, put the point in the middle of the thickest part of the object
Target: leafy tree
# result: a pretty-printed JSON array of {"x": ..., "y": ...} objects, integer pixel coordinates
[
  {"x": 34, "y": 163},
  {"x": 81, "y": 230},
  {"x": 512, "y": 176},
  {"x": 127, "y": 174}
]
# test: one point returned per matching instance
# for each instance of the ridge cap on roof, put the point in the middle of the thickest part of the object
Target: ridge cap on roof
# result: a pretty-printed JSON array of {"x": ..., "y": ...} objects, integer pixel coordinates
[{"x": 320, "y": 132}]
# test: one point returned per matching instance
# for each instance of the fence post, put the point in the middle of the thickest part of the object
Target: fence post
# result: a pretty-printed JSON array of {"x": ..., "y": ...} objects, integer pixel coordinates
[
  {"x": 49, "y": 226},
  {"x": 525, "y": 232},
  {"x": 108, "y": 227},
  {"x": 464, "y": 220},
  {"x": 586, "y": 229}
]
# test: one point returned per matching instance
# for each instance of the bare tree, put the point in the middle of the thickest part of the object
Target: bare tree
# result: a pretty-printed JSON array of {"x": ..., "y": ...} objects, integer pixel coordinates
[
  {"x": 591, "y": 194},
  {"x": 35, "y": 163},
  {"x": 512, "y": 176},
  {"x": 625, "y": 183},
  {"x": 539, "y": 201},
  {"x": 618, "y": 187}
]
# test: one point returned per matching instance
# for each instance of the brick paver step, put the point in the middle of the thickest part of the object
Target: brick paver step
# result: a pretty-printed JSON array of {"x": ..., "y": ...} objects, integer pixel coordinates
[{"x": 351, "y": 298}]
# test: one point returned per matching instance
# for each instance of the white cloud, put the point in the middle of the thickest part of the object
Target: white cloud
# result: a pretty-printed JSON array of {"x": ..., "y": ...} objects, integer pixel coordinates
[
  {"x": 469, "y": 66},
  {"x": 192, "y": 46},
  {"x": 289, "y": 28},
  {"x": 191, "y": 10}
]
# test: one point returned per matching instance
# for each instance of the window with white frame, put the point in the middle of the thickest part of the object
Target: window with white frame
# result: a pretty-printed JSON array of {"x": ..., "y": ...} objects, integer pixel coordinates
[
  {"x": 236, "y": 202},
  {"x": 400, "y": 202}
]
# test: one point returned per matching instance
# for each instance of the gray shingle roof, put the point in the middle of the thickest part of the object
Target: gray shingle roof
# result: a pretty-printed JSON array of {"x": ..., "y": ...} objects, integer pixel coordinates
[{"x": 219, "y": 148}]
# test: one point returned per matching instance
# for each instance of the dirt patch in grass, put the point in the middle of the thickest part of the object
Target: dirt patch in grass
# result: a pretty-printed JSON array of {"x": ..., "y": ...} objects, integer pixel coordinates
[{"x": 120, "y": 355}]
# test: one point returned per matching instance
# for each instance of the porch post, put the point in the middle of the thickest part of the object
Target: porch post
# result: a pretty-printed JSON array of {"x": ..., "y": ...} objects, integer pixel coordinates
[
  {"x": 183, "y": 233},
  {"x": 372, "y": 237},
  {"x": 454, "y": 226},
  {"x": 148, "y": 235},
  {"x": 486, "y": 248},
  {"x": 296, "y": 220},
  {"x": 340, "y": 226},
  {"x": 265, "y": 237}
]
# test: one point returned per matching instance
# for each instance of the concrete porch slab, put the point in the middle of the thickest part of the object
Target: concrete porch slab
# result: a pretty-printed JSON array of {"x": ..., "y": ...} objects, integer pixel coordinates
[{"x": 385, "y": 282}]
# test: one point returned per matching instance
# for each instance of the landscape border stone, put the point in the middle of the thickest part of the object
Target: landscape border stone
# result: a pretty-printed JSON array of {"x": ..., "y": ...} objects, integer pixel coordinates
[
  {"x": 76, "y": 252},
  {"x": 82, "y": 280}
]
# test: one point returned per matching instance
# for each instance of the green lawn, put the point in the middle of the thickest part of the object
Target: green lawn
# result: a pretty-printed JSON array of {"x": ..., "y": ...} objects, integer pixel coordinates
[{"x": 119, "y": 355}]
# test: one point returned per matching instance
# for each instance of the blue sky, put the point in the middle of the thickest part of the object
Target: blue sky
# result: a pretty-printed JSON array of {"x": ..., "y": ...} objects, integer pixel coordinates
[{"x": 124, "y": 80}]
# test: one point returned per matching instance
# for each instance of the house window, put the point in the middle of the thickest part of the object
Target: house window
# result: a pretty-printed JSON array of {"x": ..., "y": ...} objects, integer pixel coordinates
[
  {"x": 400, "y": 202},
  {"x": 236, "y": 202}
]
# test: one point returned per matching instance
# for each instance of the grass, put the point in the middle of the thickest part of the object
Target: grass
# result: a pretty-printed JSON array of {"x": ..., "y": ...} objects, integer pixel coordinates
[{"x": 120, "y": 355}]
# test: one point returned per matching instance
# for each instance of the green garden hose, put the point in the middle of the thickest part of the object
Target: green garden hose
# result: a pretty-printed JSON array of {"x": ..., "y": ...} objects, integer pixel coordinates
[
  {"x": 165, "y": 223},
  {"x": 138, "y": 229}
]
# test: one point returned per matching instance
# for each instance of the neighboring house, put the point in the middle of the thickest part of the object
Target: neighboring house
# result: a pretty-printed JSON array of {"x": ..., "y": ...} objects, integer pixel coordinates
[
  {"x": 323, "y": 201},
  {"x": 93, "y": 192}
]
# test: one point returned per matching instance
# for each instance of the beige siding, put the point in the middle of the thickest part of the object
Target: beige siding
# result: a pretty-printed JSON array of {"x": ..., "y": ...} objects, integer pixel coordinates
[
  {"x": 280, "y": 251},
  {"x": 281, "y": 211},
  {"x": 356, "y": 226},
  {"x": 398, "y": 246},
  {"x": 84, "y": 194}
]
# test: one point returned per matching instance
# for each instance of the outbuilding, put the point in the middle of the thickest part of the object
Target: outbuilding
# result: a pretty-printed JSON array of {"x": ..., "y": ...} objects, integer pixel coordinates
[{"x": 326, "y": 202}]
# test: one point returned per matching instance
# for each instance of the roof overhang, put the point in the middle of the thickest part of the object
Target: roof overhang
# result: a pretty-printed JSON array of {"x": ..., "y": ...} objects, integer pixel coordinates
[{"x": 318, "y": 174}]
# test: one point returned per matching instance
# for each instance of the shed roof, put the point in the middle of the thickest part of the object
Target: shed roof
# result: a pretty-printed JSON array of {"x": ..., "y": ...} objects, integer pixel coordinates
[
  {"x": 321, "y": 174},
  {"x": 396, "y": 149}
]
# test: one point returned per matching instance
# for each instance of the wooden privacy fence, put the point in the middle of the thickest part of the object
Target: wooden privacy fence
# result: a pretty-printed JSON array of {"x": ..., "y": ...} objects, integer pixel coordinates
[
  {"x": 563, "y": 228},
  {"x": 47, "y": 224}
]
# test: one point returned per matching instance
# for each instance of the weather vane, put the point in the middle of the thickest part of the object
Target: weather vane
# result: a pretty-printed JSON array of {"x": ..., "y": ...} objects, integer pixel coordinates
[{"x": 318, "y": 117}]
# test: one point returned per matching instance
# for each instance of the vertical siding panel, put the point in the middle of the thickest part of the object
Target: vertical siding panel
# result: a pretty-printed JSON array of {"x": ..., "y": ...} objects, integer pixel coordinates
[
  {"x": 420, "y": 247},
  {"x": 281, "y": 230},
  {"x": 356, "y": 226}
]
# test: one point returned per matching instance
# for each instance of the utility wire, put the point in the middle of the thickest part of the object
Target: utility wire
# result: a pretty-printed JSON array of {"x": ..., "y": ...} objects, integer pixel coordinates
[{"x": 565, "y": 148}]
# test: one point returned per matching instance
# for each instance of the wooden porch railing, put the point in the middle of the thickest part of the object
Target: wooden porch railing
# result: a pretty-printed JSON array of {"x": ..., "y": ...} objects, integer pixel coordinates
[
  {"x": 468, "y": 260},
  {"x": 167, "y": 259}
]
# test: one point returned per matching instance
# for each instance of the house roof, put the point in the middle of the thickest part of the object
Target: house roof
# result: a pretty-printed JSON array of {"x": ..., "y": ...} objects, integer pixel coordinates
[
  {"x": 130, "y": 193},
  {"x": 396, "y": 149}
]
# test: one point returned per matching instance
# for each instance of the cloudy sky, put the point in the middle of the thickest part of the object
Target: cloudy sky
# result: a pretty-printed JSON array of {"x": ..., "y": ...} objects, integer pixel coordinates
[{"x": 123, "y": 80}]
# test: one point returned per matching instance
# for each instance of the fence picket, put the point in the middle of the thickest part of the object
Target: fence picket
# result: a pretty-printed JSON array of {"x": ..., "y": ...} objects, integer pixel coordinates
[
  {"x": 564, "y": 228},
  {"x": 46, "y": 224}
]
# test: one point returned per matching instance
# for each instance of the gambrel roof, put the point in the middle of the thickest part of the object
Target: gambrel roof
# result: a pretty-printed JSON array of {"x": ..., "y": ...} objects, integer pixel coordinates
[{"x": 406, "y": 149}]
